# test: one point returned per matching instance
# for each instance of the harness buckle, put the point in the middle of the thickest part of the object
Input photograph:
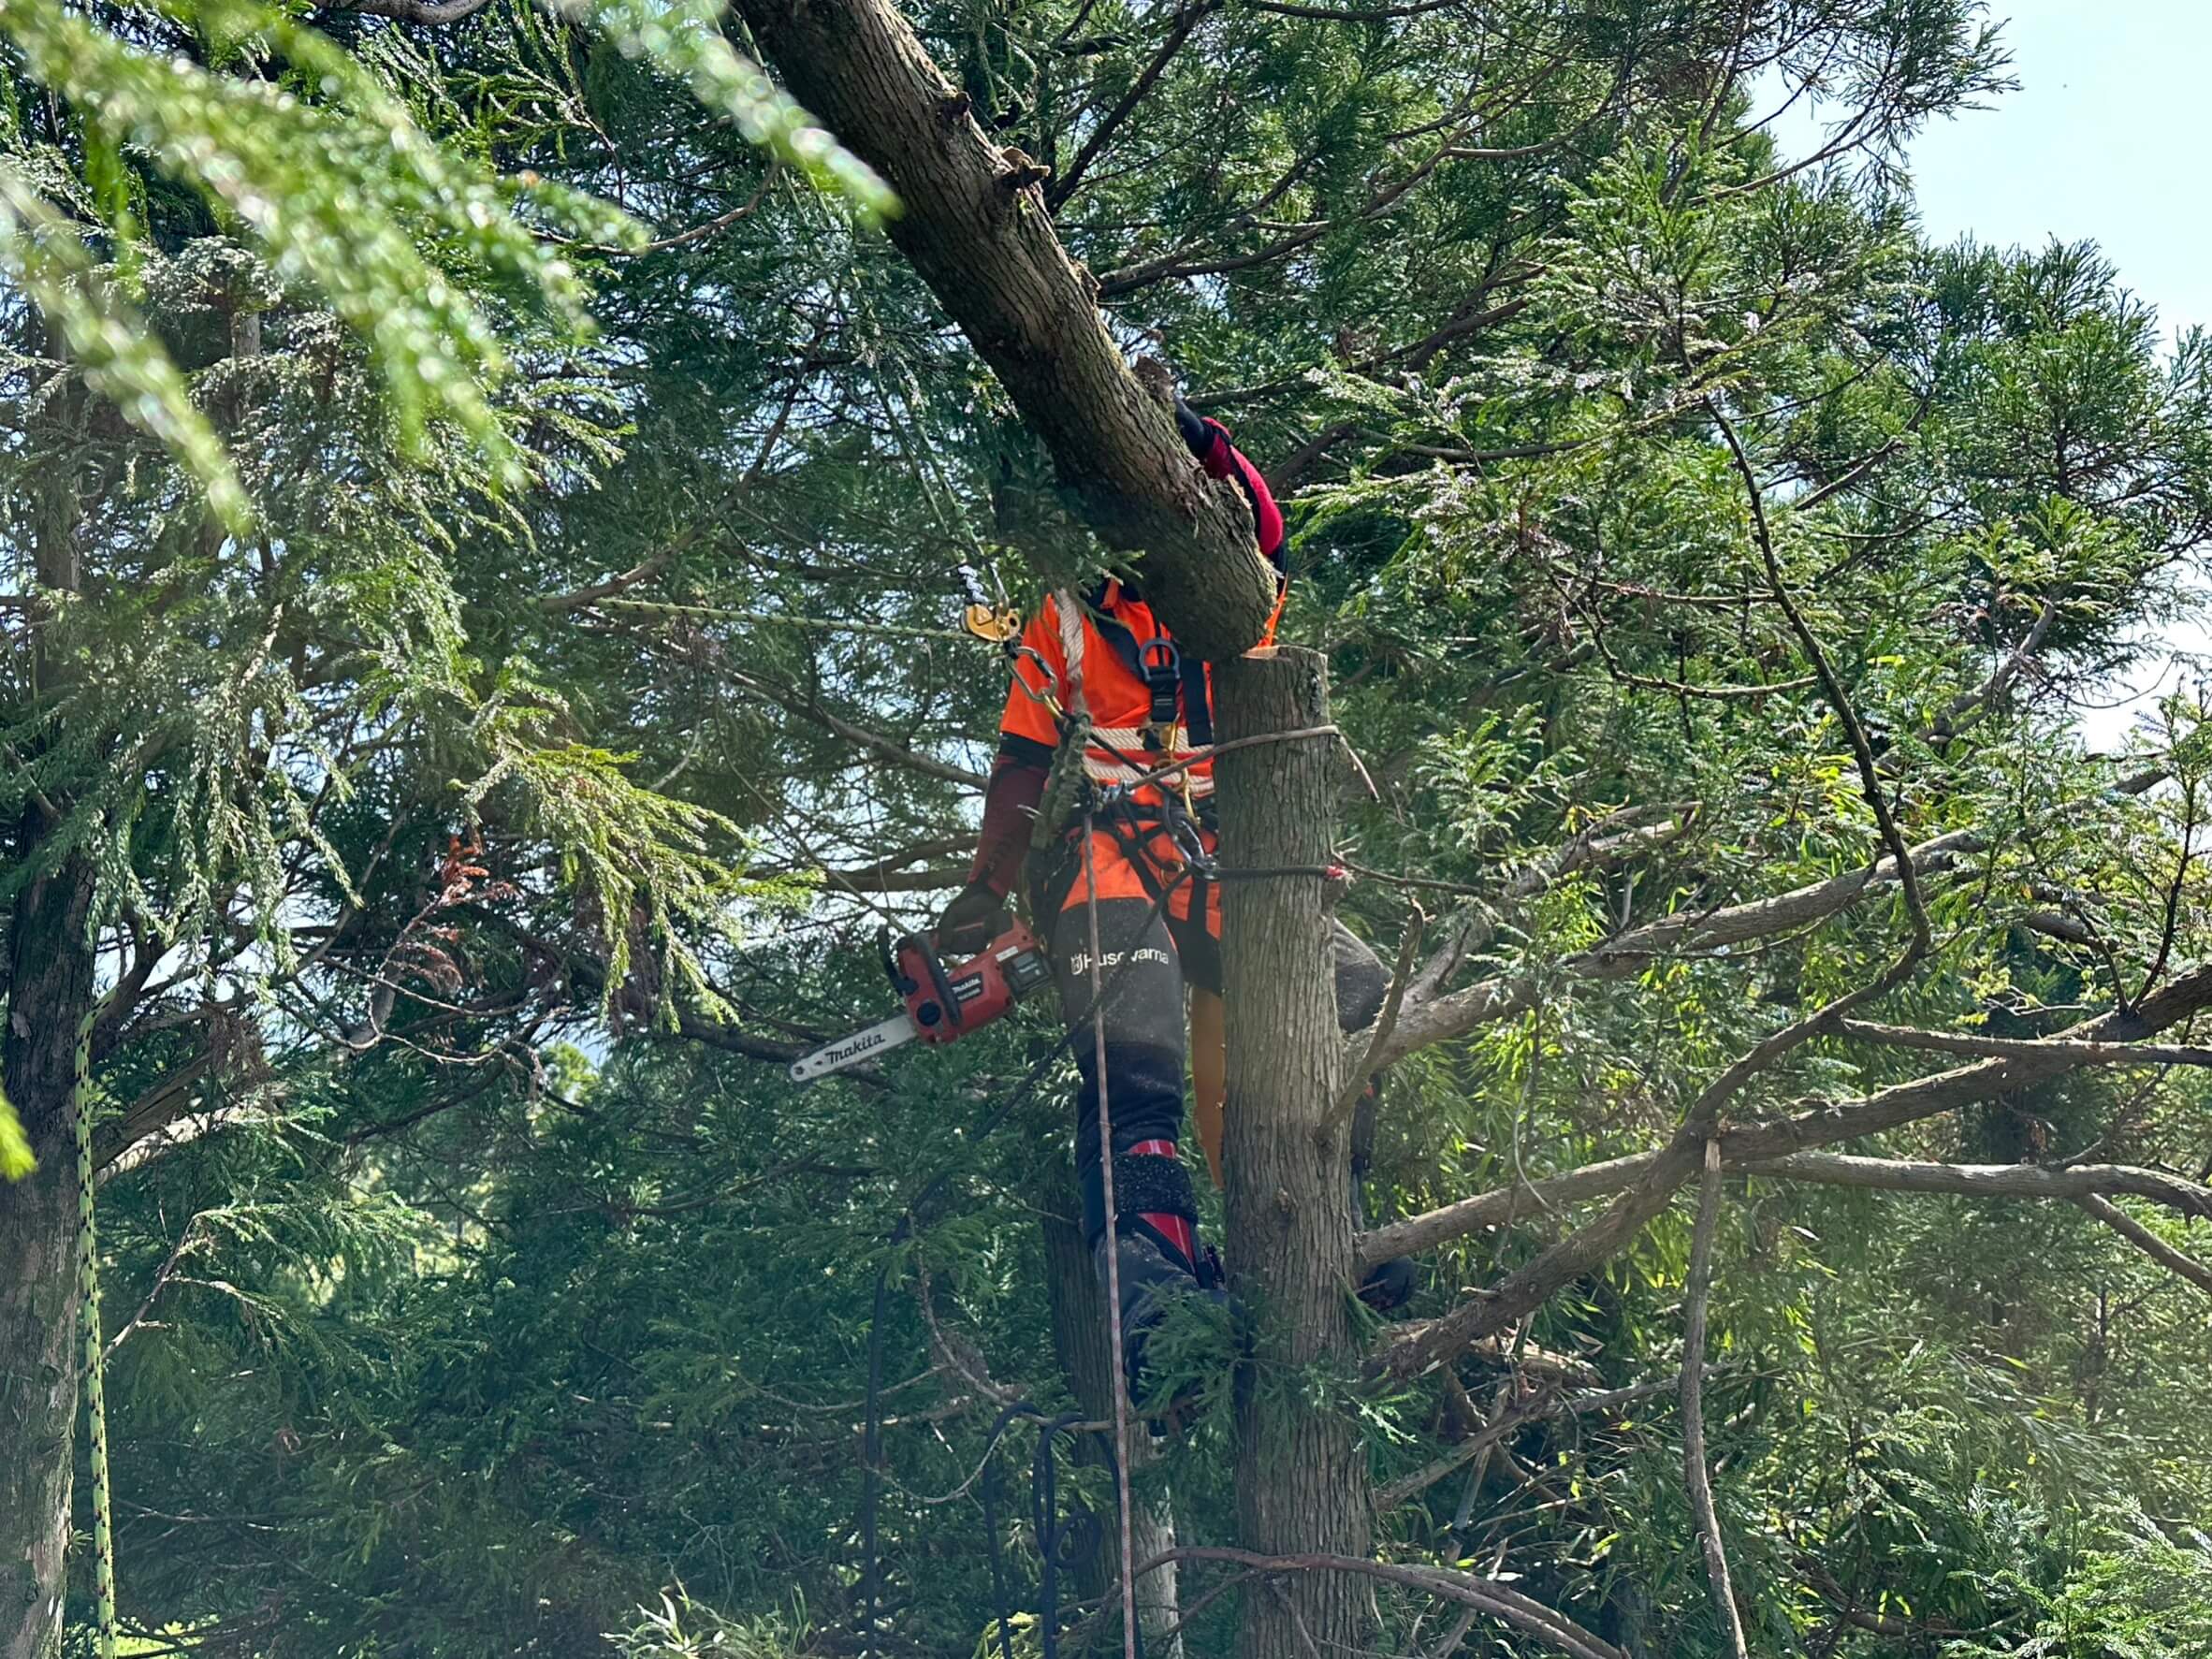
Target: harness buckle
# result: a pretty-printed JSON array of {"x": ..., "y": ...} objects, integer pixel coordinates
[{"x": 1161, "y": 664}]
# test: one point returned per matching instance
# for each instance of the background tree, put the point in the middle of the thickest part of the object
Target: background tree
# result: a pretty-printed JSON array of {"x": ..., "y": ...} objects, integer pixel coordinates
[{"x": 419, "y": 1355}]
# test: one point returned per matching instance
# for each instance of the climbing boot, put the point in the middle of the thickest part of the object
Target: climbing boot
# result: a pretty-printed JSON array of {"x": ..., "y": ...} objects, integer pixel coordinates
[
  {"x": 1388, "y": 1284},
  {"x": 1156, "y": 1261}
]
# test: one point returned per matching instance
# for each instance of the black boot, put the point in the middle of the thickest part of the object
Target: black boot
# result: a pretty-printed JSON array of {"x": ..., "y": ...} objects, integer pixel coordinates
[
  {"x": 1388, "y": 1284},
  {"x": 1157, "y": 1259}
]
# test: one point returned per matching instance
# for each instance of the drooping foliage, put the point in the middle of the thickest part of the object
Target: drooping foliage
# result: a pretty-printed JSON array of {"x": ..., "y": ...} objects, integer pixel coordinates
[{"x": 494, "y": 740}]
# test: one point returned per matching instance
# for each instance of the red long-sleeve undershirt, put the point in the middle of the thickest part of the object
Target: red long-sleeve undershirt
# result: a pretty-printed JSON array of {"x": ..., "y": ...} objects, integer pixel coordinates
[{"x": 1009, "y": 812}]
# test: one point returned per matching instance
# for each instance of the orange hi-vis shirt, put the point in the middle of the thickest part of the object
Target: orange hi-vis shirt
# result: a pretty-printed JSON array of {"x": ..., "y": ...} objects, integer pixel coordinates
[{"x": 1086, "y": 670}]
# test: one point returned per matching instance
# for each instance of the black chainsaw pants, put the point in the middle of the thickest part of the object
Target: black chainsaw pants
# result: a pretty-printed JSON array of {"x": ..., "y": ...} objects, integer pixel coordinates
[{"x": 1166, "y": 948}]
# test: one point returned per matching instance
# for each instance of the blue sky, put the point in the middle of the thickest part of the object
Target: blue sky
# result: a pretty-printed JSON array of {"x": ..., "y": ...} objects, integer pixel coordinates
[{"x": 2108, "y": 138}]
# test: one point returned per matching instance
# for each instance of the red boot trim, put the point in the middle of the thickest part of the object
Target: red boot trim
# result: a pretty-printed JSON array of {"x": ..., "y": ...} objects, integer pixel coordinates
[{"x": 1177, "y": 1230}]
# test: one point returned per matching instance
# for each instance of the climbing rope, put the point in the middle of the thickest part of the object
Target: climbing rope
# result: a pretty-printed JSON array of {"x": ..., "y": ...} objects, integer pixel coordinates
[
  {"x": 661, "y": 607},
  {"x": 1121, "y": 1400},
  {"x": 88, "y": 1306},
  {"x": 914, "y": 1216}
]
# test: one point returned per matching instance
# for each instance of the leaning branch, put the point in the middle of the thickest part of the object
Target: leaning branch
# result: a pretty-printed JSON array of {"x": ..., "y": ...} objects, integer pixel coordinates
[
  {"x": 2189, "y": 1267},
  {"x": 973, "y": 223}
]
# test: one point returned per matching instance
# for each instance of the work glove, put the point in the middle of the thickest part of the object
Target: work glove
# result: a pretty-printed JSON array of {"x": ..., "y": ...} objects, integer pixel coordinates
[{"x": 970, "y": 921}]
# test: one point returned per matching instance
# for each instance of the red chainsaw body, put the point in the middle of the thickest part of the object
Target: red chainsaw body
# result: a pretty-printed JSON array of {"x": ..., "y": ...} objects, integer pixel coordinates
[{"x": 946, "y": 1004}]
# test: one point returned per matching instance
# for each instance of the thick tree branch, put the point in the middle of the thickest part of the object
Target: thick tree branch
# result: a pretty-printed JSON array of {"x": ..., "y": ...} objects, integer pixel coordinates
[
  {"x": 426, "y": 13},
  {"x": 2189, "y": 1267},
  {"x": 1745, "y": 1150},
  {"x": 1647, "y": 1182},
  {"x": 974, "y": 225},
  {"x": 2087, "y": 1054},
  {"x": 1501, "y": 1207},
  {"x": 644, "y": 571},
  {"x": 1532, "y": 1618},
  {"x": 153, "y": 1109},
  {"x": 2079, "y": 1182}
]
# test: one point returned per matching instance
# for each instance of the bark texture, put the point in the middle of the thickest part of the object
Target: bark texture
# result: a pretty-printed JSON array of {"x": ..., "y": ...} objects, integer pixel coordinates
[
  {"x": 1302, "y": 1478},
  {"x": 49, "y": 990},
  {"x": 974, "y": 224},
  {"x": 50, "y": 987}
]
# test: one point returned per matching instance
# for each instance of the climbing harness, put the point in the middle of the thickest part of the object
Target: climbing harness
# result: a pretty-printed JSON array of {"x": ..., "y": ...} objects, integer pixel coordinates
[
  {"x": 1178, "y": 714},
  {"x": 88, "y": 1313}
]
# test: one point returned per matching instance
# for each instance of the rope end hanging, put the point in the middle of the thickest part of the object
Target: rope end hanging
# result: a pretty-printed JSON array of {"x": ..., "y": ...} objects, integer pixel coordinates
[{"x": 88, "y": 1304}]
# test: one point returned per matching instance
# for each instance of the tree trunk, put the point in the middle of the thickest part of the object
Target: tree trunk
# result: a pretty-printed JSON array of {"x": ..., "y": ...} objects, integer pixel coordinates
[
  {"x": 50, "y": 988},
  {"x": 1301, "y": 1473},
  {"x": 1079, "y": 1341},
  {"x": 979, "y": 236},
  {"x": 49, "y": 991}
]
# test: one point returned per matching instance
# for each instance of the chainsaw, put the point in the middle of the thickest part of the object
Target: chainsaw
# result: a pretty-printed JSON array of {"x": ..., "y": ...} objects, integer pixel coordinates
[{"x": 943, "y": 1004}]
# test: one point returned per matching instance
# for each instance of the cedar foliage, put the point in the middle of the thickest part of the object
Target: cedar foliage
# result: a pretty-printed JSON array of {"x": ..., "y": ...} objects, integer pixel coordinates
[{"x": 482, "y": 717}]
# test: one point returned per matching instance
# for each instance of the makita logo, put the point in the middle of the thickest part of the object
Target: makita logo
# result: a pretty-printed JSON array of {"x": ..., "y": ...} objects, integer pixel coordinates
[{"x": 838, "y": 1052}]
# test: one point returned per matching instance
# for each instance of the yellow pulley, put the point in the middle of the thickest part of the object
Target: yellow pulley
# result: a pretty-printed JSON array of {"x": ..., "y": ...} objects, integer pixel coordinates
[{"x": 996, "y": 624}]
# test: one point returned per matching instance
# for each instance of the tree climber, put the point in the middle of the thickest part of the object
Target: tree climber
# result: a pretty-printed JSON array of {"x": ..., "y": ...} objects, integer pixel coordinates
[{"x": 1109, "y": 656}]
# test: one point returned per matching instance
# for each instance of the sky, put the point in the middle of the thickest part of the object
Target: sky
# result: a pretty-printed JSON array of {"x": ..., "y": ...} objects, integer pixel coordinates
[{"x": 2107, "y": 138}]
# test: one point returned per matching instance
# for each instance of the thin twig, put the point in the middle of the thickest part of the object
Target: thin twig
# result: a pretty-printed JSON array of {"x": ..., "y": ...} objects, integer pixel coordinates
[
  {"x": 1694, "y": 1470},
  {"x": 1862, "y": 750},
  {"x": 1398, "y": 1491},
  {"x": 161, "y": 1279}
]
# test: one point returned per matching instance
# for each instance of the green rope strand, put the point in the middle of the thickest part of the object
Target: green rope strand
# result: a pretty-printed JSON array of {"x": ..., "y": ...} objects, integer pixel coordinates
[
  {"x": 1064, "y": 784},
  {"x": 88, "y": 1303}
]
